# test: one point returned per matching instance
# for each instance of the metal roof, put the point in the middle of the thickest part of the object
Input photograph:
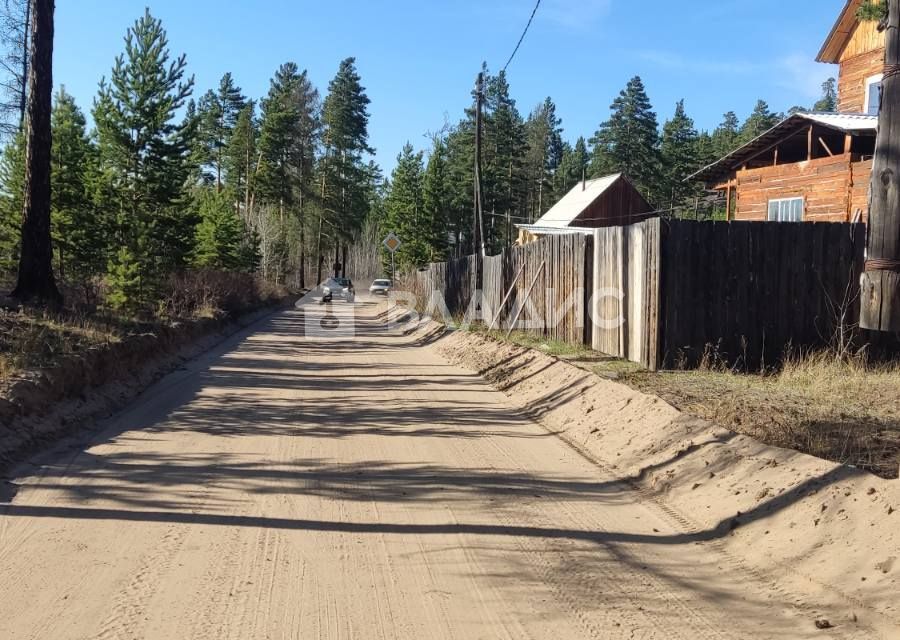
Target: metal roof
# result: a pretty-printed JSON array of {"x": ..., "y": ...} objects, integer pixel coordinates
[
  {"x": 846, "y": 122},
  {"x": 854, "y": 123},
  {"x": 573, "y": 204},
  {"x": 554, "y": 231}
]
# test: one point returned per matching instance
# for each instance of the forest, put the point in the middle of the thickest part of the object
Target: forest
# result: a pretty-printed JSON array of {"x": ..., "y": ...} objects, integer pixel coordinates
[{"x": 168, "y": 179}]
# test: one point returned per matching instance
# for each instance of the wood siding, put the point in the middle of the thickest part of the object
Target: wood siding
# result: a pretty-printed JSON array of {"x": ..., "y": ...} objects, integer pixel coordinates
[
  {"x": 855, "y": 72},
  {"x": 866, "y": 38},
  {"x": 824, "y": 183},
  {"x": 860, "y": 179},
  {"x": 620, "y": 204}
]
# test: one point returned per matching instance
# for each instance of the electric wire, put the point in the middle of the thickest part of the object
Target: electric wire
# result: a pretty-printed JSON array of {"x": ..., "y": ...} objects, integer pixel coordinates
[{"x": 519, "y": 44}]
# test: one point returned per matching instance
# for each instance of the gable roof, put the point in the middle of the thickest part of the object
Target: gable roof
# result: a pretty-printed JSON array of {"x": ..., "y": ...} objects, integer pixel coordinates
[
  {"x": 573, "y": 204},
  {"x": 853, "y": 123},
  {"x": 841, "y": 33}
]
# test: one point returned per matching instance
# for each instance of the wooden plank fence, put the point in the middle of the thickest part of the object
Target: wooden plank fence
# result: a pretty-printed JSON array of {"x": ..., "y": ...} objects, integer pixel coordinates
[
  {"x": 743, "y": 292},
  {"x": 625, "y": 301},
  {"x": 670, "y": 293},
  {"x": 560, "y": 268},
  {"x": 557, "y": 306}
]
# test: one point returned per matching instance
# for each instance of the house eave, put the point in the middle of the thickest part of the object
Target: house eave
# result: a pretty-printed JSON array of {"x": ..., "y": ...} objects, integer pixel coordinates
[{"x": 840, "y": 34}]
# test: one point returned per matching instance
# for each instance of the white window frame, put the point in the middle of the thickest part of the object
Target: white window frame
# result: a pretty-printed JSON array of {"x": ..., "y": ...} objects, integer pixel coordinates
[
  {"x": 876, "y": 79},
  {"x": 779, "y": 201}
]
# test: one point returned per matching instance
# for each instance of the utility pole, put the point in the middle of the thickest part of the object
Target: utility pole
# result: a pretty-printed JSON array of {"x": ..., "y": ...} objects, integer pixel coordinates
[
  {"x": 478, "y": 221},
  {"x": 880, "y": 304}
]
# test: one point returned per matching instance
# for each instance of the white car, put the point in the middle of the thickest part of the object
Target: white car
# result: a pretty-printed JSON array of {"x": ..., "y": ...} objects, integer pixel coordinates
[{"x": 380, "y": 287}]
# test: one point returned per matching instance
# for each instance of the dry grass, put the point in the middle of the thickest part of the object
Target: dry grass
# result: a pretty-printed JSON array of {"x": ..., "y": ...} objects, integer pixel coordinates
[
  {"x": 832, "y": 405},
  {"x": 841, "y": 409},
  {"x": 33, "y": 339},
  {"x": 556, "y": 348},
  {"x": 30, "y": 340},
  {"x": 213, "y": 294}
]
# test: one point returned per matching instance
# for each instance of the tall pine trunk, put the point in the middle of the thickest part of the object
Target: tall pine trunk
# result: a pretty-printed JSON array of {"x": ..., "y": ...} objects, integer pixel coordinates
[
  {"x": 36, "y": 281},
  {"x": 320, "y": 258}
]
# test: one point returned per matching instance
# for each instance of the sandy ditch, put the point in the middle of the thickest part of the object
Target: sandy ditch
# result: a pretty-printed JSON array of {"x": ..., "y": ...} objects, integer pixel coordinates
[
  {"x": 808, "y": 526},
  {"x": 41, "y": 407}
]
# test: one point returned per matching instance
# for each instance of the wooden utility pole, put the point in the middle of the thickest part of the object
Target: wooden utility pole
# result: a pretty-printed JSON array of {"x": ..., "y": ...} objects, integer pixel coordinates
[
  {"x": 479, "y": 196},
  {"x": 478, "y": 217},
  {"x": 880, "y": 304},
  {"x": 36, "y": 281}
]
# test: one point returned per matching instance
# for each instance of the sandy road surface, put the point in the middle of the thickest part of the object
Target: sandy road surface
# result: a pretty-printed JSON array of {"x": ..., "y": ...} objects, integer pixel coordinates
[{"x": 285, "y": 486}]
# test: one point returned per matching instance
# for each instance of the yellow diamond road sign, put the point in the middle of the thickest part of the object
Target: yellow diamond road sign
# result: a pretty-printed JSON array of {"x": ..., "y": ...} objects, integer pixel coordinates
[{"x": 392, "y": 243}]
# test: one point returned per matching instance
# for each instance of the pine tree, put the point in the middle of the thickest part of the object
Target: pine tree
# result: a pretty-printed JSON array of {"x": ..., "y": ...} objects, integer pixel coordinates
[
  {"x": 678, "y": 151},
  {"x": 125, "y": 280},
  {"x": 873, "y": 10},
  {"x": 405, "y": 211},
  {"x": 15, "y": 41},
  {"x": 761, "y": 120},
  {"x": 35, "y": 281},
  {"x": 726, "y": 137},
  {"x": 344, "y": 175},
  {"x": 705, "y": 149},
  {"x": 545, "y": 149},
  {"x": 828, "y": 101},
  {"x": 241, "y": 159},
  {"x": 505, "y": 180},
  {"x": 144, "y": 154},
  {"x": 573, "y": 168},
  {"x": 218, "y": 112},
  {"x": 460, "y": 146},
  {"x": 220, "y": 235},
  {"x": 12, "y": 190},
  {"x": 279, "y": 133},
  {"x": 78, "y": 232},
  {"x": 289, "y": 136},
  {"x": 627, "y": 142},
  {"x": 436, "y": 203}
]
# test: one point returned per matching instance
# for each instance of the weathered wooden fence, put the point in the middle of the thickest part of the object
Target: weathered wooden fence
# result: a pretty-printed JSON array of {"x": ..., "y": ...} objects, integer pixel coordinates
[
  {"x": 557, "y": 272},
  {"x": 666, "y": 293},
  {"x": 444, "y": 283},
  {"x": 546, "y": 284},
  {"x": 625, "y": 299},
  {"x": 745, "y": 291}
]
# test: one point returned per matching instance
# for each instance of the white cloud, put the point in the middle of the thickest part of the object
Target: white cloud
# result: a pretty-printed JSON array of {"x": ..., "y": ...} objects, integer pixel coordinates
[
  {"x": 677, "y": 62},
  {"x": 574, "y": 14},
  {"x": 571, "y": 15},
  {"x": 801, "y": 74},
  {"x": 796, "y": 71}
]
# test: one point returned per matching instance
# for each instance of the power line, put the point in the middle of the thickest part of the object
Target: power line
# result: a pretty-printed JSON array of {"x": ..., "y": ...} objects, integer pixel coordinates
[{"x": 519, "y": 44}]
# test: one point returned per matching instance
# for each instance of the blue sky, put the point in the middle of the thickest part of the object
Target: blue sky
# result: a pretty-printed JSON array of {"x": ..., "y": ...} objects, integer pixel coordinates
[{"x": 418, "y": 60}]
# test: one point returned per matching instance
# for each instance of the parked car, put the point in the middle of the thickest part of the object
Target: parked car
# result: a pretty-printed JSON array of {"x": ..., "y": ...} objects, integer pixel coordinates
[
  {"x": 380, "y": 287},
  {"x": 341, "y": 288}
]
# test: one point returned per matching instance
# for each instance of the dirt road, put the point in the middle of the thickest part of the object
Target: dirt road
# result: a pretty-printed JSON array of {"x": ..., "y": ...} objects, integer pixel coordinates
[{"x": 285, "y": 486}]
